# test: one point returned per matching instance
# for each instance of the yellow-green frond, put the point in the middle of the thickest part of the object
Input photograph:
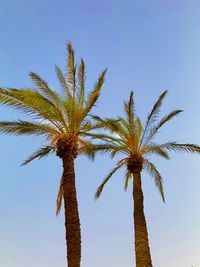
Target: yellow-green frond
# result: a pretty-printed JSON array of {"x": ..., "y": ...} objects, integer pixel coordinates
[
  {"x": 151, "y": 169},
  {"x": 81, "y": 81},
  {"x": 63, "y": 82},
  {"x": 173, "y": 146},
  {"x": 40, "y": 153},
  {"x": 101, "y": 187},
  {"x": 59, "y": 197},
  {"x": 128, "y": 176},
  {"x": 31, "y": 103},
  {"x": 129, "y": 110},
  {"x": 94, "y": 94},
  {"x": 152, "y": 115},
  {"x": 71, "y": 69},
  {"x": 43, "y": 86},
  {"x": 90, "y": 150},
  {"x": 163, "y": 121},
  {"x": 155, "y": 149},
  {"x": 26, "y": 128}
]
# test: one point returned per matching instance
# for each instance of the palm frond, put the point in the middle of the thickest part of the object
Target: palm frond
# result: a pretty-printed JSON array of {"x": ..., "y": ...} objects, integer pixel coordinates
[
  {"x": 32, "y": 103},
  {"x": 71, "y": 69},
  {"x": 115, "y": 127},
  {"x": 26, "y": 128},
  {"x": 163, "y": 121},
  {"x": 105, "y": 137},
  {"x": 128, "y": 176},
  {"x": 52, "y": 96},
  {"x": 155, "y": 149},
  {"x": 101, "y": 187},
  {"x": 156, "y": 108},
  {"x": 119, "y": 149},
  {"x": 90, "y": 150},
  {"x": 86, "y": 148},
  {"x": 44, "y": 88},
  {"x": 63, "y": 82},
  {"x": 40, "y": 153},
  {"x": 94, "y": 94},
  {"x": 129, "y": 109},
  {"x": 151, "y": 169},
  {"x": 173, "y": 146},
  {"x": 81, "y": 80},
  {"x": 153, "y": 115},
  {"x": 138, "y": 129},
  {"x": 59, "y": 197}
]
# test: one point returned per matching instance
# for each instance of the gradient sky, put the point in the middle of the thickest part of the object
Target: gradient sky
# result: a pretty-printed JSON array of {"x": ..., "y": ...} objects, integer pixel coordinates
[{"x": 147, "y": 46}]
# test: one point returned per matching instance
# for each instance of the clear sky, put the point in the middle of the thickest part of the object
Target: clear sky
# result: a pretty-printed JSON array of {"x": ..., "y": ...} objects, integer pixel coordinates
[{"x": 147, "y": 46}]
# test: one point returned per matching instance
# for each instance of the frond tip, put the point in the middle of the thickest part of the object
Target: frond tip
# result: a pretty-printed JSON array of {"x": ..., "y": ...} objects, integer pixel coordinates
[
  {"x": 151, "y": 169},
  {"x": 128, "y": 176},
  {"x": 59, "y": 197},
  {"x": 101, "y": 187},
  {"x": 173, "y": 146},
  {"x": 40, "y": 153}
]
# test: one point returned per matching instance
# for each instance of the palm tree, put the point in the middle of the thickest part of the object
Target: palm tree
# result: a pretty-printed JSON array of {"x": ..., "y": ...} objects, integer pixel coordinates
[
  {"x": 129, "y": 138},
  {"x": 63, "y": 120}
]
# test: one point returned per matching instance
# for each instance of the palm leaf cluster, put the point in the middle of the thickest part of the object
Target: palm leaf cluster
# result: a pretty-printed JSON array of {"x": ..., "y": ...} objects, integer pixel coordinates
[{"x": 129, "y": 137}]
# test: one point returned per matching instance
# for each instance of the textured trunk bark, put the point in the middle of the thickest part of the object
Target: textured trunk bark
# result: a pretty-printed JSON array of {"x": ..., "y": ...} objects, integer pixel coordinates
[
  {"x": 142, "y": 249},
  {"x": 72, "y": 221}
]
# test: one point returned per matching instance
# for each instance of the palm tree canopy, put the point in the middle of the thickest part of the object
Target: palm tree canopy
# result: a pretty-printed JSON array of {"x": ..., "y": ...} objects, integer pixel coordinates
[
  {"x": 129, "y": 137},
  {"x": 55, "y": 116}
]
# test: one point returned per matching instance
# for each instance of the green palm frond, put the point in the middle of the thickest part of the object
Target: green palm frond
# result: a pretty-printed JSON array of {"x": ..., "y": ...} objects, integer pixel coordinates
[
  {"x": 71, "y": 69},
  {"x": 63, "y": 82},
  {"x": 59, "y": 197},
  {"x": 43, "y": 86},
  {"x": 163, "y": 121},
  {"x": 153, "y": 115},
  {"x": 87, "y": 148},
  {"x": 129, "y": 109},
  {"x": 156, "y": 108},
  {"x": 151, "y": 169},
  {"x": 32, "y": 103},
  {"x": 94, "y": 94},
  {"x": 81, "y": 80},
  {"x": 105, "y": 137},
  {"x": 173, "y": 146},
  {"x": 128, "y": 176},
  {"x": 26, "y": 128},
  {"x": 90, "y": 150},
  {"x": 117, "y": 149},
  {"x": 138, "y": 129},
  {"x": 87, "y": 127},
  {"x": 116, "y": 127},
  {"x": 52, "y": 96},
  {"x": 155, "y": 149},
  {"x": 40, "y": 153},
  {"x": 101, "y": 187}
]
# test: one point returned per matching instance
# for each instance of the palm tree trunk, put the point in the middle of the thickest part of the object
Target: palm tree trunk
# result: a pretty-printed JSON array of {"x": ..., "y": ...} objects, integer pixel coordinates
[
  {"x": 142, "y": 249},
  {"x": 72, "y": 221}
]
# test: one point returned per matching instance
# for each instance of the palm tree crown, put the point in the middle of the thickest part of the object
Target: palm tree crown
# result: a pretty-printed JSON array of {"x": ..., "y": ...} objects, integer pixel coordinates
[
  {"x": 61, "y": 118},
  {"x": 128, "y": 137}
]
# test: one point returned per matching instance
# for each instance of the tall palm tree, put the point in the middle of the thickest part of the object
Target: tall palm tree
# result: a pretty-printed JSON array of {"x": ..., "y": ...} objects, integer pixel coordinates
[
  {"x": 63, "y": 120},
  {"x": 129, "y": 138}
]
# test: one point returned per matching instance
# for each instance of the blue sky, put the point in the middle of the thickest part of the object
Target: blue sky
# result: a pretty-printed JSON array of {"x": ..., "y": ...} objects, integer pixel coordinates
[{"x": 147, "y": 46}]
